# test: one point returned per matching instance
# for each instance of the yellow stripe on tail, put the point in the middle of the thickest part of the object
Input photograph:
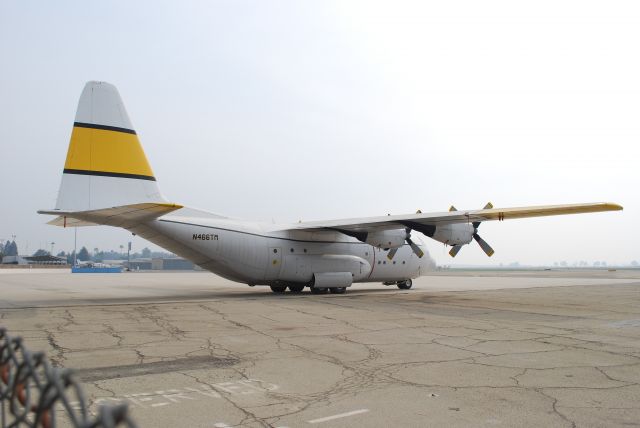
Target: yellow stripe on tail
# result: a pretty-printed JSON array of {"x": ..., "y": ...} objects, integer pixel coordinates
[{"x": 106, "y": 151}]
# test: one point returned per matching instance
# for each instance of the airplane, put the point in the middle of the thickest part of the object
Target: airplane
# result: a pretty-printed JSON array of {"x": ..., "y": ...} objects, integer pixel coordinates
[{"x": 107, "y": 180}]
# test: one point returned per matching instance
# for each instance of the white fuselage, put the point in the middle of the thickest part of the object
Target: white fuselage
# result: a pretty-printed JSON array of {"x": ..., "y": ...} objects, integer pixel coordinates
[{"x": 265, "y": 254}]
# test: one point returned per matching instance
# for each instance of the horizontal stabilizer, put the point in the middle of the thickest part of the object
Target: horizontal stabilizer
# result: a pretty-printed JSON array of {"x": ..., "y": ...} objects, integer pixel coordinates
[
  {"x": 64, "y": 221},
  {"x": 122, "y": 216}
]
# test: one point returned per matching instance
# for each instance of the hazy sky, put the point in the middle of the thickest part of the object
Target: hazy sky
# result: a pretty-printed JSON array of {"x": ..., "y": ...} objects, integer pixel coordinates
[{"x": 315, "y": 110}]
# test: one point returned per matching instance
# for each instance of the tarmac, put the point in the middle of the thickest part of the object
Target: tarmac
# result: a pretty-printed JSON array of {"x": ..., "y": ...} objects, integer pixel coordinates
[{"x": 462, "y": 348}]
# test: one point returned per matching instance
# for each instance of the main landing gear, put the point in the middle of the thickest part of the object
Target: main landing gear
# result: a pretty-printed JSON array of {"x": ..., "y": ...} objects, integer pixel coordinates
[
  {"x": 405, "y": 285},
  {"x": 332, "y": 290},
  {"x": 282, "y": 288},
  {"x": 298, "y": 288}
]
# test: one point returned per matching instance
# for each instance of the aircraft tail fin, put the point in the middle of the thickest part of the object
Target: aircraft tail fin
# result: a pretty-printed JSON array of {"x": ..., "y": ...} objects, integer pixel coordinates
[{"x": 105, "y": 166}]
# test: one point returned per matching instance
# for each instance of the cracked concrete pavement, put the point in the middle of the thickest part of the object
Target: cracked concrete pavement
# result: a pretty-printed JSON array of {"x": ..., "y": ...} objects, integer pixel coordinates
[{"x": 460, "y": 349}]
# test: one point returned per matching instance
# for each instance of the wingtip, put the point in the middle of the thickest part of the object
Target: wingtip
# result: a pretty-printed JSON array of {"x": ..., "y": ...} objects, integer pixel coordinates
[
  {"x": 170, "y": 205},
  {"x": 51, "y": 212},
  {"x": 614, "y": 207}
]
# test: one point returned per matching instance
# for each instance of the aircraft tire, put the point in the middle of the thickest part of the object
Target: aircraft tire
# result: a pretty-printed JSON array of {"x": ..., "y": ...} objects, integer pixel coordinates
[
  {"x": 296, "y": 288},
  {"x": 278, "y": 288},
  {"x": 405, "y": 285},
  {"x": 338, "y": 290},
  {"x": 315, "y": 290}
]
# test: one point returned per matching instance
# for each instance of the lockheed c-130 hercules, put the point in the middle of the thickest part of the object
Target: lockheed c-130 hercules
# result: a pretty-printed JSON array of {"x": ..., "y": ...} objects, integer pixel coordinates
[{"x": 107, "y": 180}]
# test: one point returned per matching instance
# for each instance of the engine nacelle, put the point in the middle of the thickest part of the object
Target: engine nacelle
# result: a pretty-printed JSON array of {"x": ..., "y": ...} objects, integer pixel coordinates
[
  {"x": 387, "y": 238},
  {"x": 454, "y": 234}
]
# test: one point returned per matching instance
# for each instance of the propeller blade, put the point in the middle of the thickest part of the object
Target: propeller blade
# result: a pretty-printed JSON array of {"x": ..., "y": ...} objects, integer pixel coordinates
[
  {"x": 483, "y": 244},
  {"x": 416, "y": 250},
  {"x": 476, "y": 224},
  {"x": 454, "y": 250},
  {"x": 391, "y": 254}
]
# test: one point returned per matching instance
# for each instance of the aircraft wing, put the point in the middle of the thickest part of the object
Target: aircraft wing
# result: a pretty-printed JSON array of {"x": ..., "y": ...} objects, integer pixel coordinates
[{"x": 421, "y": 221}]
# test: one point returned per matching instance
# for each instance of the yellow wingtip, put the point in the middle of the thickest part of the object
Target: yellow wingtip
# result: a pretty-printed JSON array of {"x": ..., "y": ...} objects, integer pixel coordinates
[{"x": 170, "y": 205}]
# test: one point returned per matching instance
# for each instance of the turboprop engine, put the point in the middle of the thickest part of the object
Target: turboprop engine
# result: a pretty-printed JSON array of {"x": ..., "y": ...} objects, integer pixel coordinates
[
  {"x": 454, "y": 234},
  {"x": 392, "y": 240},
  {"x": 387, "y": 238}
]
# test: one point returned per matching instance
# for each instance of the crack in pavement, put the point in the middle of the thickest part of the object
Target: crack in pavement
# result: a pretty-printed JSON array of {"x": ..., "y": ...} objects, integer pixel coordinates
[{"x": 331, "y": 353}]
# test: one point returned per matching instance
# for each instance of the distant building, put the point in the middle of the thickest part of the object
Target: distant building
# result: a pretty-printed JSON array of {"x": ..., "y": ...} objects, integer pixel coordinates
[
  {"x": 140, "y": 264},
  {"x": 174, "y": 263},
  {"x": 34, "y": 260}
]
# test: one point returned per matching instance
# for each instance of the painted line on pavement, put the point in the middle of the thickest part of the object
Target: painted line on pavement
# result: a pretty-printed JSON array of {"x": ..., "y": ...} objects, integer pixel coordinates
[{"x": 341, "y": 415}]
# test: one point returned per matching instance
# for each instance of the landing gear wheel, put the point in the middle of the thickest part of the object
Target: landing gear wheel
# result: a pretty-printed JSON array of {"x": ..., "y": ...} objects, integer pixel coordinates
[
  {"x": 338, "y": 290},
  {"x": 316, "y": 290},
  {"x": 405, "y": 285},
  {"x": 278, "y": 288},
  {"x": 296, "y": 288}
]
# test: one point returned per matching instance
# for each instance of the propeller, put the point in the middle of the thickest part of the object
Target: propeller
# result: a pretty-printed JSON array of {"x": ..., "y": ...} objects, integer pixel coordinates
[
  {"x": 416, "y": 250},
  {"x": 483, "y": 244}
]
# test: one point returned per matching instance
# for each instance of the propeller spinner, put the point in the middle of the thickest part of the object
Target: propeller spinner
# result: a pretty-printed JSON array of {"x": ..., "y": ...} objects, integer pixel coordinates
[
  {"x": 416, "y": 250},
  {"x": 483, "y": 244}
]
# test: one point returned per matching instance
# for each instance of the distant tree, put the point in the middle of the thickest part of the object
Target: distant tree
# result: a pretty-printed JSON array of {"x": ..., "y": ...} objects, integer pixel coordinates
[
  {"x": 61, "y": 254},
  {"x": 146, "y": 253},
  {"x": 70, "y": 257},
  {"x": 13, "y": 249},
  {"x": 634, "y": 263},
  {"x": 7, "y": 246},
  {"x": 41, "y": 253},
  {"x": 84, "y": 254},
  {"x": 596, "y": 264}
]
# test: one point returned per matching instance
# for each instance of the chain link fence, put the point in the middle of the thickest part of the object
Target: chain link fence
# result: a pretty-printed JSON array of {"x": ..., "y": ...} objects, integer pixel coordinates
[{"x": 33, "y": 393}]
